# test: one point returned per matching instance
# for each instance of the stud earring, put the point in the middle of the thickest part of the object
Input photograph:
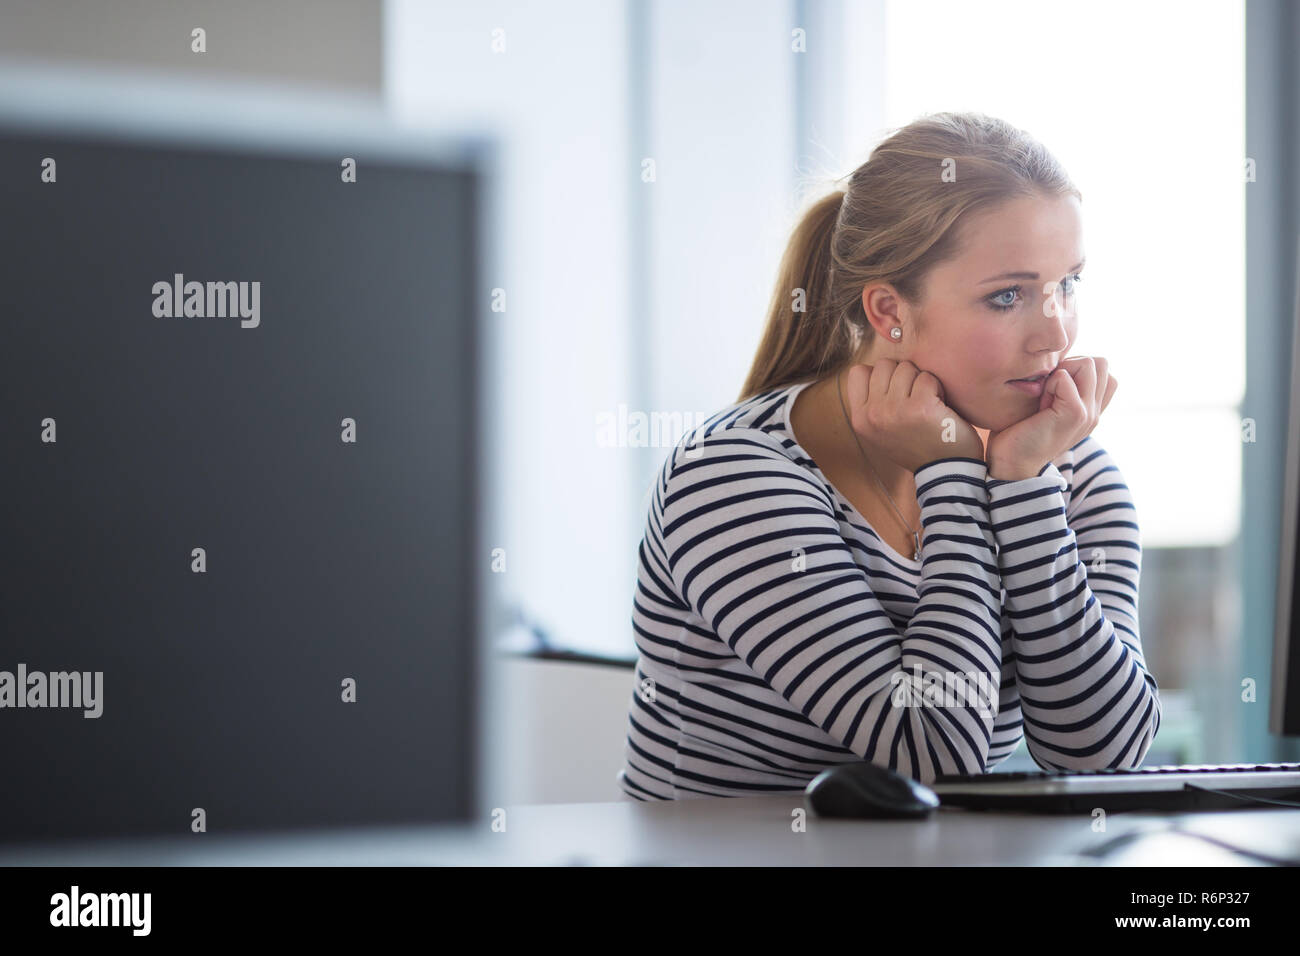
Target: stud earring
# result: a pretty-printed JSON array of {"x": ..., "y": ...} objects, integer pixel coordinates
[{"x": 896, "y": 332}]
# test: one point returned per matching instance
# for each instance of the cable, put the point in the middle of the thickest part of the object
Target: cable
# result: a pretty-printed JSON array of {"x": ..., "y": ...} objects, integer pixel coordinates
[
  {"x": 1244, "y": 799},
  {"x": 1109, "y": 847},
  {"x": 1241, "y": 850}
]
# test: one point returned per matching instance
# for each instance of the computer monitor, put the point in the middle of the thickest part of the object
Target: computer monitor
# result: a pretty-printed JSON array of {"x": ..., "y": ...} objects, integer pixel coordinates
[
  {"x": 1284, "y": 708},
  {"x": 240, "y": 531}
]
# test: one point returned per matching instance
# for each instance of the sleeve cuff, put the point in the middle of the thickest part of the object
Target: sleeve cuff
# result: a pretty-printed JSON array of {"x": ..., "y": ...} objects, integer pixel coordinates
[
  {"x": 1048, "y": 476},
  {"x": 970, "y": 471}
]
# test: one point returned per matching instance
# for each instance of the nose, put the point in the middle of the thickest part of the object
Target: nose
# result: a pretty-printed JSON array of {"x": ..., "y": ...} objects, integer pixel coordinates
[{"x": 1051, "y": 335}]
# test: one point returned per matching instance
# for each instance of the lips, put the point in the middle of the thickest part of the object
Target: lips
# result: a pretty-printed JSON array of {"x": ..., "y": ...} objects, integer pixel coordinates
[{"x": 1028, "y": 386}]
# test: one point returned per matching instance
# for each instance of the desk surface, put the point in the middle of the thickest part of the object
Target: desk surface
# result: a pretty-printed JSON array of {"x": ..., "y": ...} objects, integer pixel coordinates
[{"x": 721, "y": 831}]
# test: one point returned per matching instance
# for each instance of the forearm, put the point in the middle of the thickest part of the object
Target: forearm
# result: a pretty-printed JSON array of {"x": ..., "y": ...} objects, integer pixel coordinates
[{"x": 1087, "y": 698}]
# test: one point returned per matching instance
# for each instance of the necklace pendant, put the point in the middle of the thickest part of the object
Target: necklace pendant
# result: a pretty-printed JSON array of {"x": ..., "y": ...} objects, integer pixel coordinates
[{"x": 916, "y": 540}]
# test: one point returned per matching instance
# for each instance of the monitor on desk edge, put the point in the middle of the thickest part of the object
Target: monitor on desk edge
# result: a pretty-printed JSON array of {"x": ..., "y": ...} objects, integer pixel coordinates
[
  {"x": 240, "y": 440},
  {"x": 1284, "y": 710}
]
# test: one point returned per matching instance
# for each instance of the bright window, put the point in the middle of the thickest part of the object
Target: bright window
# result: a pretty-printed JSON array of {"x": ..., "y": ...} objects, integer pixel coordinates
[{"x": 1150, "y": 126}]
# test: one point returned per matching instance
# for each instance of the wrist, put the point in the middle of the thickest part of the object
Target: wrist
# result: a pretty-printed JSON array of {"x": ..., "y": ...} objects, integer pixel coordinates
[{"x": 1010, "y": 470}]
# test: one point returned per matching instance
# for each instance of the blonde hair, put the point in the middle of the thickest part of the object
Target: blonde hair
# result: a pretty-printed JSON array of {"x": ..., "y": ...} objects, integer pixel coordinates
[{"x": 898, "y": 217}]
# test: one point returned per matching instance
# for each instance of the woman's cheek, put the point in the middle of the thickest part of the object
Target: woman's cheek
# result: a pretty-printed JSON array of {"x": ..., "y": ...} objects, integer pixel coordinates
[{"x": 984, "y": 360}]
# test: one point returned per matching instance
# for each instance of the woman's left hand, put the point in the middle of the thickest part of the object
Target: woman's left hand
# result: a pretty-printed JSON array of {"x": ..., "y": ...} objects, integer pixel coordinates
[{"x": 1074, "y": 396}]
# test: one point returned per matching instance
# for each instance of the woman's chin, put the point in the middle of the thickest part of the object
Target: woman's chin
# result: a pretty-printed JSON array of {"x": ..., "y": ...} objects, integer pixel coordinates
[
  {"x": 998, "y": 412},
  {"x": 995, "y": 420}
]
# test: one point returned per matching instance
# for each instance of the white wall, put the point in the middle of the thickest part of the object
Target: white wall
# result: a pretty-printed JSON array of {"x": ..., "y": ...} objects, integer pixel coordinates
[
  {"x": 621, "y": 290},
  {"x": 562, "y": 731},
  {"x": 309, "y": 43},
  {"x": 553, "y": 90}
]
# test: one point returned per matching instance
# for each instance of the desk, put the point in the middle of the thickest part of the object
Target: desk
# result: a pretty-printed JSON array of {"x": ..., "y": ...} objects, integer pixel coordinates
[{"x": 744, "y": 831}]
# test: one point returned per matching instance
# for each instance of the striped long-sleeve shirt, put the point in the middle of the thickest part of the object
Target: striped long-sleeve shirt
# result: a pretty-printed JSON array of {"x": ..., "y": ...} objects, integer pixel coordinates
[{"x": 779, "y": 635}]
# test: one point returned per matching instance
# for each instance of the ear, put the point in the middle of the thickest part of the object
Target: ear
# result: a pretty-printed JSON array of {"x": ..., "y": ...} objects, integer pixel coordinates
[{"x": 881, "y": 304}]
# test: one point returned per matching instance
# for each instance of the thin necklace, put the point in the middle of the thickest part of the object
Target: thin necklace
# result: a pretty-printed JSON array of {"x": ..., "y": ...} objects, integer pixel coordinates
[{"x": 916, "y": 538}]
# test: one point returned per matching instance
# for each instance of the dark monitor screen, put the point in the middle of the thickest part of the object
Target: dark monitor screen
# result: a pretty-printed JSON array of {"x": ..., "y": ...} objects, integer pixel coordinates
[
  {"x": 1284, "y": 711},
  {"x": 238, "y": 508}
]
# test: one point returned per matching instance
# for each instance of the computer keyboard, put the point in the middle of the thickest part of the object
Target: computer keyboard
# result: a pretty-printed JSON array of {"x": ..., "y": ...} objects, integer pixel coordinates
[{"x": 1185, "y": 787}]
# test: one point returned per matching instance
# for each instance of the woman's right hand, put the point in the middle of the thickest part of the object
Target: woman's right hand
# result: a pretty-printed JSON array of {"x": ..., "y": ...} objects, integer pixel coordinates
[{"x": 900, "y": 410}]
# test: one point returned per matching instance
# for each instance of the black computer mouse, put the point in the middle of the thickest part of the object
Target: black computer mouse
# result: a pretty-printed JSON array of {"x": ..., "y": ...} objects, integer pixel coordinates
[{"x": 869, "y": 791}]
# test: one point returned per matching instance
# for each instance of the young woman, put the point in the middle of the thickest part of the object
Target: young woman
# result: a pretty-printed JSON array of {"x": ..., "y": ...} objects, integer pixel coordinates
[{"x": 901, "y": 544}]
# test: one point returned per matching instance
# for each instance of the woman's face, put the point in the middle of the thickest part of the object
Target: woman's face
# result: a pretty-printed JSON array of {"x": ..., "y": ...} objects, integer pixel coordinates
[{"x": 1004, "y": 309}]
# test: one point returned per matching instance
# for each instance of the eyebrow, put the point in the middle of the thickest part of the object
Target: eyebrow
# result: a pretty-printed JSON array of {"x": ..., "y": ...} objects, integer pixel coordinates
[{"x": 1026, "y": 275}]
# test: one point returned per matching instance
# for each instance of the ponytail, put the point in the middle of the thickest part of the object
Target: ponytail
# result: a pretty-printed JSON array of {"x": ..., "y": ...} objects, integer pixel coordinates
[{"x": 802, "y": 337}]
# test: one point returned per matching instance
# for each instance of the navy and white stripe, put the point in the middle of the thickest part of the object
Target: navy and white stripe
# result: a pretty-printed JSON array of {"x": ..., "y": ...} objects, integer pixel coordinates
[{"x": 779, "y": 635}]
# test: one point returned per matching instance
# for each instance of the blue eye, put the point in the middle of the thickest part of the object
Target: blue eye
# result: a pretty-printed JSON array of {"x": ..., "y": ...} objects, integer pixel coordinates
[{"x": 997, "y": 305}]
